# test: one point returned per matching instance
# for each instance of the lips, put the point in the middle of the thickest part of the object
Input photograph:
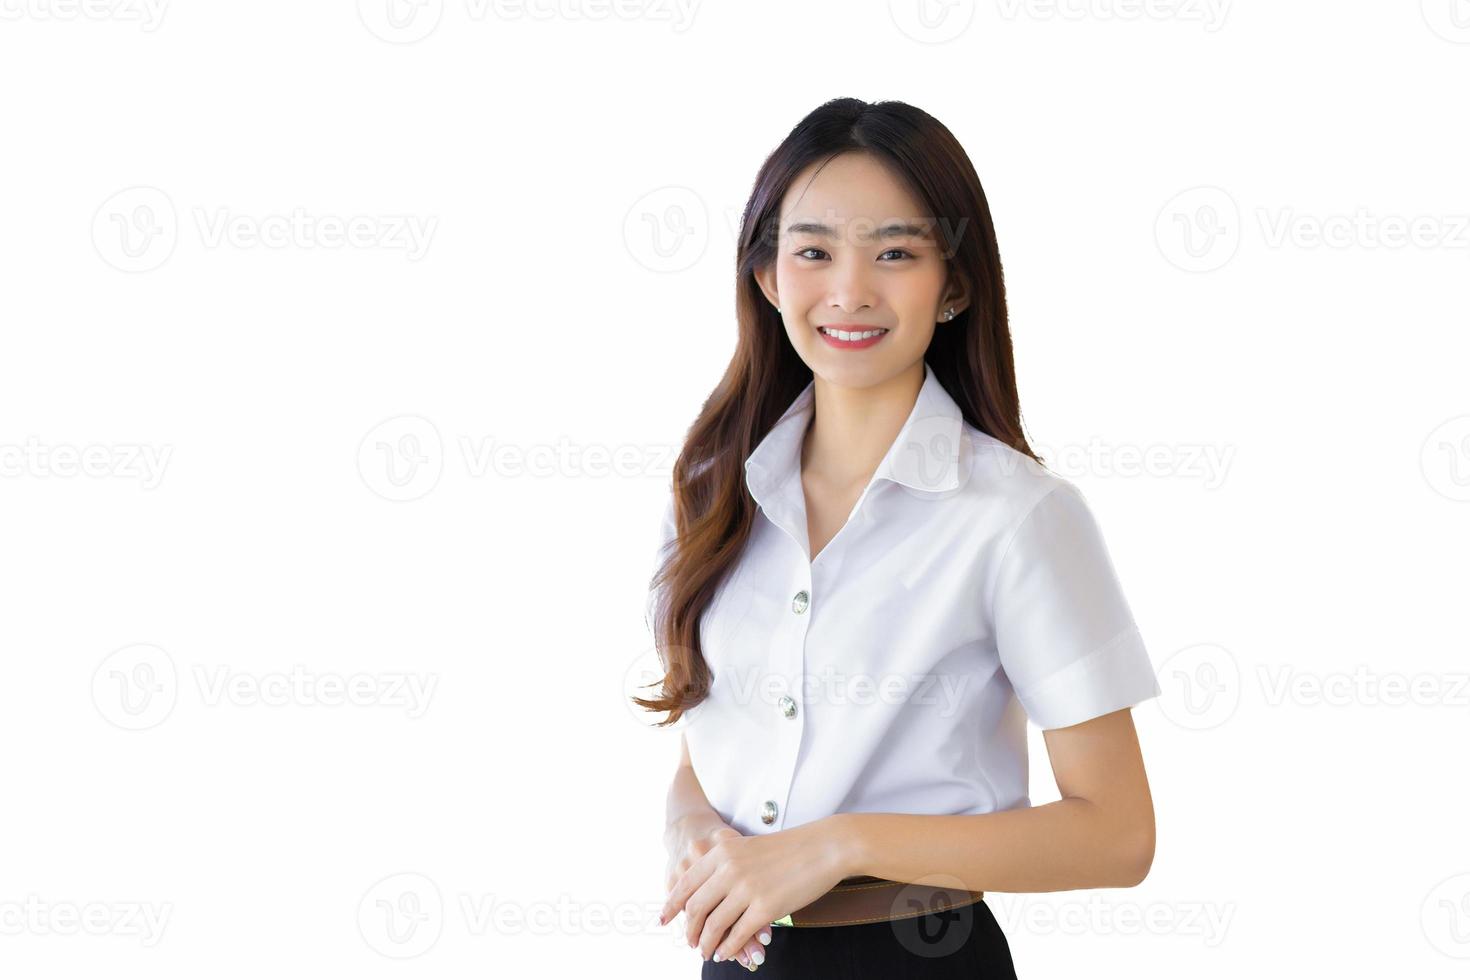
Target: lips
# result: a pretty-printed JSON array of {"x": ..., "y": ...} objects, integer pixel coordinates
[{"x": 854, "y": 332}]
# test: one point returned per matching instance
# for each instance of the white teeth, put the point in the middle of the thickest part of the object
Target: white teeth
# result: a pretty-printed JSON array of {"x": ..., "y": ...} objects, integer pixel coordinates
[{"x": 845, "y": 335}]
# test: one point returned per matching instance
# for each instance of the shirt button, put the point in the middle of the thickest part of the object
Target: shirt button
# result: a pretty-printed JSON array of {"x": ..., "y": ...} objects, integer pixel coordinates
[
  {"x": 788, "y": 706},
  {"x": 768, "y": 812},
  {"x": 800, "y": 601}
]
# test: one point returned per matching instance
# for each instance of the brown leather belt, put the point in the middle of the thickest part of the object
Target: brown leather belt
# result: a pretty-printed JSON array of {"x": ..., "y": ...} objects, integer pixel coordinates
[{"x": 863, "y": 898}]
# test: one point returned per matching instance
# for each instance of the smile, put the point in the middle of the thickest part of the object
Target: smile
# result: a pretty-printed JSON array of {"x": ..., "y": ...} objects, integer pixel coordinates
[{"x": 852, "y": 339}]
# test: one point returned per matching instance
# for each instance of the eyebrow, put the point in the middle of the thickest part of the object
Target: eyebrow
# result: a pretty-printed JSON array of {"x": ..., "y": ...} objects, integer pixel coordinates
[{"x": 898, "y": 230}]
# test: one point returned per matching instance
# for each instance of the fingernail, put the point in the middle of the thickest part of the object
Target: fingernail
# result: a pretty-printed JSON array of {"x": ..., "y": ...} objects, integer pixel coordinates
[
  {"x": 759, "y": 956},
  {"x": 765, "y": 938},
  {"x": 717, "y": 956}
]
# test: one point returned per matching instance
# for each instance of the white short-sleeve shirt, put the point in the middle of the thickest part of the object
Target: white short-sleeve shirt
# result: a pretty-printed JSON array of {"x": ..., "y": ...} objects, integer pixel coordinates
[{"x": 968, "y": 590}]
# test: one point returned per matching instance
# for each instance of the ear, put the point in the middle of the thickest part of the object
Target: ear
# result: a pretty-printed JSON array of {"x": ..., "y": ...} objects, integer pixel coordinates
[
  {"x": 766, "y": 279},
  {"x": 955, "y": 296}
]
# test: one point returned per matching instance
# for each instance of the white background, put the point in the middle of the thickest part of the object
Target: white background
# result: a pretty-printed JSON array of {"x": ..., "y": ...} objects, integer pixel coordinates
[{"x": 381, "y": 462}]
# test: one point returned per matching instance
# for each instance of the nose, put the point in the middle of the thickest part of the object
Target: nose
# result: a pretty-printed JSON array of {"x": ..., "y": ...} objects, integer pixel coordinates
[{"x": 850, "y": 288}]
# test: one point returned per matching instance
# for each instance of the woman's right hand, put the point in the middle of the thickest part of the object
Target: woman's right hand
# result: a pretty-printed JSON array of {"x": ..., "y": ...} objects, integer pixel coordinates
[{"x": 689, "y": 839}]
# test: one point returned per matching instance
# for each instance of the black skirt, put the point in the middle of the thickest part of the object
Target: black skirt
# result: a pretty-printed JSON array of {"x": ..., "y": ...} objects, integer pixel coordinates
[{"x": 958, "y": 943}]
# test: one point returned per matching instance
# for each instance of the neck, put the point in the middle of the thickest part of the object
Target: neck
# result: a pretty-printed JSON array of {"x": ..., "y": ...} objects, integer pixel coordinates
[{"x": 853, "y": 428}]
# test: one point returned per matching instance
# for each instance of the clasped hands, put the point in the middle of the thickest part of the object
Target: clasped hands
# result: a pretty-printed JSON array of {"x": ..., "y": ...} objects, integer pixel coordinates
[{"x": 732, "y": 887}]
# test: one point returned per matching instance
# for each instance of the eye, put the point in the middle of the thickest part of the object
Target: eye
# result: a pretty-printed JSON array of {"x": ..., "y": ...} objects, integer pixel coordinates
[{"x": 901, "y": 253}]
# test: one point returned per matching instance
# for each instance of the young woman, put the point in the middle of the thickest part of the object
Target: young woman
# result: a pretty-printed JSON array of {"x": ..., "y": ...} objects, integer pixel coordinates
[{"x": 867, "y": 583}]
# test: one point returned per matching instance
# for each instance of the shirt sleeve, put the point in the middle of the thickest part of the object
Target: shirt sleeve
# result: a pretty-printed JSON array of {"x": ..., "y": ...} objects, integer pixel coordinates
[
  {"x": 1064, "y": 632},
  {"x": 665, "y": 539}
]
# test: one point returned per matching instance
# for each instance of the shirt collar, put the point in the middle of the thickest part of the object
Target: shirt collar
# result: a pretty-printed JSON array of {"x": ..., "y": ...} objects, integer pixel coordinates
[{"x": 924, "y": 455}]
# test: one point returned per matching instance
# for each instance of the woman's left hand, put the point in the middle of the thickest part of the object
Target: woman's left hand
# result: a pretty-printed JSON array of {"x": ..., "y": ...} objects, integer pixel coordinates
[{"x": 743, "y": 884}]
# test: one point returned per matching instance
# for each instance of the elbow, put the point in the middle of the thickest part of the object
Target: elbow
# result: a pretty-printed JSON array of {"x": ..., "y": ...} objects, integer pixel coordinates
[{"x": 1137, "y": 857}]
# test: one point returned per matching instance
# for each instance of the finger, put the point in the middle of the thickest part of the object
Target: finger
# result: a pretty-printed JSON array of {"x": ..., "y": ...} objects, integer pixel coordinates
[
  {"x": 743, "y": 932},
  {"x": 717, "y": 926},
  {"x": 667, "y": 912},
  {"x": 751, "y": 954},
  {"x": 697, "y": 908},
  {"x": 691, "y": 879}
]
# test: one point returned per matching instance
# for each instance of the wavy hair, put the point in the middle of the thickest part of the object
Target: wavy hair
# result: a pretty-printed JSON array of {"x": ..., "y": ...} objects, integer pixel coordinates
[{"x": 970, "y": 356}]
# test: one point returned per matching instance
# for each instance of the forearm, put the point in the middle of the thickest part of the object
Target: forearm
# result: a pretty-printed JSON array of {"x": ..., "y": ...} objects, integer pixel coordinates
[
  {"x": 686, "y": 800},
  {"x": 1068, "y": 844}
]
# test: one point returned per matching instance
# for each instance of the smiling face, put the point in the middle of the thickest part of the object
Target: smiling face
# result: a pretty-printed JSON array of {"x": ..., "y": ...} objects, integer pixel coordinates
[{"x": 856, "y": 253}]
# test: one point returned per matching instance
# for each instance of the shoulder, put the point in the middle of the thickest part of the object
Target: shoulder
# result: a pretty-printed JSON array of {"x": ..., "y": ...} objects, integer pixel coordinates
[{"x": 1004, "y": 483}]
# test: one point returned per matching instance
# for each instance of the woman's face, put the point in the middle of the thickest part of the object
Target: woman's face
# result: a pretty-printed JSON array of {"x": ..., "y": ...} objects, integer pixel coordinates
[{"x": 855, "y": 252}]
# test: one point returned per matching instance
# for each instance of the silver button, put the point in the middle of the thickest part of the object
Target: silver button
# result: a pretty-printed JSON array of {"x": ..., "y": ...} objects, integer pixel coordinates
[
  {"x": 800, "y": 601},
  {"x": 768, "y": 812},
  {"x": 788, "y": 706}
]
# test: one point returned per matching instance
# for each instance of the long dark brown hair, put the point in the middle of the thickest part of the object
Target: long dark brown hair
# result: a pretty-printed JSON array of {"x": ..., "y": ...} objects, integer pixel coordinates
[{"x": 970, "y": 356}]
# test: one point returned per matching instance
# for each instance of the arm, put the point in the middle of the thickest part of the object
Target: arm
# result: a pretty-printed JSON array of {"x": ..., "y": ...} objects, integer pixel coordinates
[
  {"x": 687, "y": 806},
  {"x": 1100, "y": 834}
]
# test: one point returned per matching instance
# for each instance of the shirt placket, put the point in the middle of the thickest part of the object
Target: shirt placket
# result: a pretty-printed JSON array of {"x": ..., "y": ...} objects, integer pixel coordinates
[{"x": 804, "y": 584}]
